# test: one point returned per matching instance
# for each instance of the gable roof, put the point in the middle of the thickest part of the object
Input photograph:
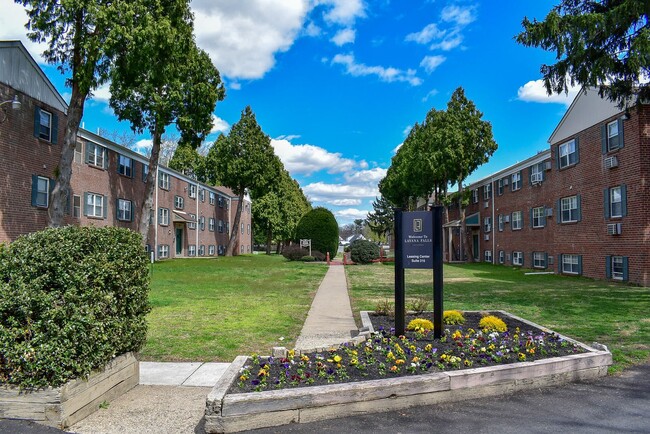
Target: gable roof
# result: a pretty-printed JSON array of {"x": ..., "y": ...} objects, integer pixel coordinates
[{"x": 19, "y": 70}]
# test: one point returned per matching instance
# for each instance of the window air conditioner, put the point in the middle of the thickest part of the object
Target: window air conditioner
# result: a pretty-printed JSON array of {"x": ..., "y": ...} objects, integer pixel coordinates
[
  {"x": 486, "y": 204},
  {"x": 549, "y": 212},
  {"x": 506, "y": 219},
  {"x": 614, "y": 229},
  {"x": 548, "y": 165},
  {"x": 487, "y": 237},
  {"x": 611, "y": 162},
  {"x": 505, "y": 181}
]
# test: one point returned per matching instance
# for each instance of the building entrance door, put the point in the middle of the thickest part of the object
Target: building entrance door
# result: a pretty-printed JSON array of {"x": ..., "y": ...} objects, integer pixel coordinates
[
  {"x": 179, "y": 241},
  {"x": 475, "y": 246}
]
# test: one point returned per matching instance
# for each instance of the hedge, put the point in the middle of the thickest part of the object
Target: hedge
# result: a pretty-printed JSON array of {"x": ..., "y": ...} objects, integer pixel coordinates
[
  {"x": 364, "y": 252},
  {"x": 320, "y": 226},
  {"x": 71, "y": 299}
]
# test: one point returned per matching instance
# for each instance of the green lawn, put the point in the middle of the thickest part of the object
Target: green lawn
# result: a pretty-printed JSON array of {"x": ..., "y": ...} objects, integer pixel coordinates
[
  {"x": 616, "y": 315},
  {"x": 214, "y": 309}
]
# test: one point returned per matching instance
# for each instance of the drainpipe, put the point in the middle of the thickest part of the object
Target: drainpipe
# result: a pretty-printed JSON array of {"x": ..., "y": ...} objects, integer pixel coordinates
[
  {"x": 155, "y": 214},
  {"x": 494, "y": 222},
  {"x": 196, "y": 249}
]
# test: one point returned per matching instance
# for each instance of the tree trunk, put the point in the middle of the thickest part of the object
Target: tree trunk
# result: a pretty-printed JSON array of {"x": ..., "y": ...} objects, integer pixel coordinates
[
  {"x": 269, "y": 239},
  {"x": 235, "y": 226},
  {"x": 150, "y": 188},
  {"x": 61, "y": 192}
]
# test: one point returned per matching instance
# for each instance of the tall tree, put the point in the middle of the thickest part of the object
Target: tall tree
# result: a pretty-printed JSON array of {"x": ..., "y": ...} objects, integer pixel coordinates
[
  {"x": 597, "y": 44},
  {"x": 188, "y": 161},
  {"x": 83, "y": 37},
  {"x": 381, "y": 219},
  {"x": 243, "y": 161},
  {"x": 469, "y": 144},
  {"x": 181, "y": 87}
]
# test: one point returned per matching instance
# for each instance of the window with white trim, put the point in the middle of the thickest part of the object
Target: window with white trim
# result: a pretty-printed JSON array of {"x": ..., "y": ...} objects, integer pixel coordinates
[
  {"x": 500, "y": 187},
  {"x": 615, "y": 202},
  {"x": 192, "y": 224},
  {"x": 211, "y": 250},
  {"x": 537, "y": 173},
  {"x": 76, "y": 206},
  {"x": 571, "y": 264},
  {"x": 488, "y": 256},
  {"x": 201, "y": 250},
  {"x": 248, "y": 229},
  {"x": 94, "y": 205},
  {"x": 202, "y": 223},
  {"x": 517, "y": 258},
  {"x": 539, "y": 260},
  {"x": 95, "y": 155},
  {"x": 502, "y": 256},
  {"x": 539, "y": 217},
  {"x": 179, "y": 202},
  {"x": 202, "y": 194},
  {"x": 242, "y": 229},
  {"x": 220, "y": 202},
  {"x": 212, "y": 198},
  {"x": 124, "y": 166},
  {"x": 145, "y": 172},
  {"x": 41, "y": 198},
  {"x": 475, "y": 196},
  {"x": 191, "y": 250},
  {"x": 516, "y": 221},
  {"x": 613, "y": 137},
  {"x": 516, "y": 181},
  {"x": 163, "y": 180},
  {"x": 569, "y": 209},
  {"x": 124, "y": 210},
  {"x": 78, "y": 152},
  {"x": 500, "y": 222},
  {"x": 487, "y": 191},
  {"x": 568, "y": 154},
  {"x": 163, "y": 251},
  {"x": 192, "y": 191},
  {"x": 45, "y": 125},
  {"x": 220, "y": 226},
  {"x": 617, "y": 268},
  {"x": 163, "y": 216},
  {"x": 211, "y": 224},
  {"x": 487, "y": 224}
]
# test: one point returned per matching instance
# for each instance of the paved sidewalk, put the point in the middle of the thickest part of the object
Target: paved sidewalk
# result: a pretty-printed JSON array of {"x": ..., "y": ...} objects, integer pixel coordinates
[
  {"x": 181, "y": 374},
  {"x": 330, "y": 320}
]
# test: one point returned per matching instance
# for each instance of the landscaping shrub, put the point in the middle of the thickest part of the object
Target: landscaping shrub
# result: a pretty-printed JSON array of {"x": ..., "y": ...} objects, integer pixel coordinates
[
  {"x": 319, "y": 225},
  {"x": 71, "y": 299},
  {"x": 453, "y": 317},
  {"x": 385, "y": 307},
  {"x": 420, "y": 324},
  {"x": 318, "y": 256},
  {"x": 307, "y": 259},
  {"x": 492, "y": 323},
  {"x": 294, "y": 252},
  {"x": 363, "y": 251},
  {"x": 418, "y": 305}
]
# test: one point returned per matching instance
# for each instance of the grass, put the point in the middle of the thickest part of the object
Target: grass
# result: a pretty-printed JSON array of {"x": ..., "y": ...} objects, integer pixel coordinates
[
  {"x": 613, "y": 314},
  {"x": 214, "y": 309}
]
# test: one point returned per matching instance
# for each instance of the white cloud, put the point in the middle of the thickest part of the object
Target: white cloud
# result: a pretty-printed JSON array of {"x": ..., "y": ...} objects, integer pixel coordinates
[
  {"x": 312, "y": 30},
  {"x": 396, "y": 148},
  {"x": 387, "y": 74},
  {"x": 351, "y": 213},
  {"x": 458, "y": 15},
  {"x": 534, "y": 91},
  {"x": 449, "y": 42},
  {"x": 426, "y": 35},
  {"x": 446, "y": 34},
  {"x": 242, "y": 38},
  {"x": 345, "y": 202},
  {"x": 370, "y": 176},
  {"x": 430, "y": 63},
  {"x": 143, "y": 146},
  {"x": 321, "y": 191},
  {"x": 288, "y": 137},
  {"x": 432, "y": 92},
  {"x": 308, "y": 159},
  {"x": 363, "y": 164},
  {"x": 343, "y": 12},
  {"x": 219, "y": 125},
  {"x": 12, "y": 27},
  {"x": 344, "y": 36},
  {"x": 102, "y": 93}
]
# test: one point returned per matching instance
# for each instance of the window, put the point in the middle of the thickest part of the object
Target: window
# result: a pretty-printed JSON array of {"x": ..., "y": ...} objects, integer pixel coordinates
[
  {"x": 501, "y": 256},
  {"x": 516, "y": 181},
  {"x": 242, "y": 249},
  {"x": 179, "y": 202},
  {"x": 163, "y": 251},
  {"x": 227, "y": 227},
  {"x": 475, "y": 196},
  {"x": 569, "y": 209},
  {"x": 613, "y": 137},
  {"x": 538, "y": 217},
  {"x": 518, "y": 258},
  {"x": 220, "y": 249},
  {"x": 163, "y": 181},
  {"x": 76, "y": 206},
  {"x": 124, "y": 210},
  {"x": 45, "y": 125},
  {"x": 163, "y": 216},
  {"x": 202, "y": 194},
  {"x": 192, "y": 190},
  {"x": 220, "y": 202},
  {"x": 202, "y": 223},
  {"x": 487, "y": 191},
  {"x": 78, "y": 152},
  {"x": 211, "y": 224},
  {"x": 96, "y": 155},
  {"x": 488, "y": 255},
  {"x": 539, "y": 260},
  {"x": 516, "y": 222},
  {"x": 248, "y": 229},
  {"x": 537, "y": 173},
  {"x": 125, "y": 166},
  {"x": 499, "y": 187},
  {"x": 220, "y": 226},
  {"x": 191, "y": 250},
  {"x": 94, "y": 205},
  {"x": 145, "y": 172},
  {"x": 616, "y": 267},
  {"x": 40, "y": 191},
  {"x": 212, "y": 198},
  {"x": 192, "y": 224},
  {"x": 211, "y": 250},
  {"x": 571, "y": 264},
  {"x": 248, "y": 210},
  {"x": 568, "y": 154},
  {"x": 500, "y": 220},
  {"x": 615, "y": 202},
  {"x": 201, "y": 250},
  {"x": 487, "y": 224},
  {"x": 242, "y": 228}
]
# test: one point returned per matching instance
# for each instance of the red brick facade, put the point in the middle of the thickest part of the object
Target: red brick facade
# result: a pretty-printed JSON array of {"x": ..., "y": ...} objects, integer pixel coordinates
[{"x": 583, "y": 239}]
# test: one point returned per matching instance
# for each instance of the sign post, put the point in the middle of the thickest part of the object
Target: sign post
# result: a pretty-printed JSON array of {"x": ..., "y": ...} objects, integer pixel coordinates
[{"x": 306, "y": 243}]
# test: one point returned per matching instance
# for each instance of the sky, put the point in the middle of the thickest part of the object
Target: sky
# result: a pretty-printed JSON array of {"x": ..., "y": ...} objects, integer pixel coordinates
[{"x": 337, "y": 84}]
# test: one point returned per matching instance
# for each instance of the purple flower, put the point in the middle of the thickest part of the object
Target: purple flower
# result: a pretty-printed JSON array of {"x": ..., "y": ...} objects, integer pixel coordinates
[{"x": 255, "y": 382}]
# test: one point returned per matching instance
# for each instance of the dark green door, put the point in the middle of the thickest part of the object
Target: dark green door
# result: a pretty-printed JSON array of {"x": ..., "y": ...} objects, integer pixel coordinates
[
  {"x": 179, "y": 241},
  {"x": 475, "y": 246}
]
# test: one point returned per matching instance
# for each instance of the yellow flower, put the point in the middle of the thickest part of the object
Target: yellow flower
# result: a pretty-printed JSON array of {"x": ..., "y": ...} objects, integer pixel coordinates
[
  {"x": 353, "y": 362},
  {"x": 399, "y": 361},
  {"x": 292, "y": 353},
  {"x": 416, "y": 359},
  {"x": 457, "y": 335},
  {"x": 243, "y": 378},
  {"x": 337, "y": 358},
  {"x": 428, "y": 347},
  {"x": 393, "y": 368},
  {"x": 304, "y": 358},
  {"x": 390, "y": 355},
  {"x": 262, "y": 373}
]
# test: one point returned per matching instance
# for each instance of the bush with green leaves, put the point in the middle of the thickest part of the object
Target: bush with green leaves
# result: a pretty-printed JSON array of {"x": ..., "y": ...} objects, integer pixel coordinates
[
  {"x": 364, "y": 251},
  {"x": 319, "y": 226},
  {"x": 294, "y": 252},
  {"x": 71, "y": 299},
  {"x": 307, "y": 259},
  {"x": 318, "y": 256}
]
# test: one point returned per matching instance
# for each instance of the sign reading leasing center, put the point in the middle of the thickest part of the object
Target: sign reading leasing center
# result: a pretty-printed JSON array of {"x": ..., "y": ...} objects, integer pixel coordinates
[{"x": 417, "y": 239}]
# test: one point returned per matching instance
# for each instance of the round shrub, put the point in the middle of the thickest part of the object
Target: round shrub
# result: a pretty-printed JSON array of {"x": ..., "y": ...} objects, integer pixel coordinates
[
  {"x": 294, "y": 252},
  {"x": 319, "y": 225},
  {"x": 318, "y": 256},
  {"x": 453, "y": 317},
  {"x": 363, "y": 251},
  {"x": 71, "y": 299},
  {"x": 307, "y": 259},
  {"x": 492, "y": 323},
  {"x": 420, "y": 324}
]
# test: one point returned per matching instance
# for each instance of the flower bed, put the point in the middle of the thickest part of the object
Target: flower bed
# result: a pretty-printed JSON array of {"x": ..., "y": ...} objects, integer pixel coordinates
[{"x": 422, "y": 376}]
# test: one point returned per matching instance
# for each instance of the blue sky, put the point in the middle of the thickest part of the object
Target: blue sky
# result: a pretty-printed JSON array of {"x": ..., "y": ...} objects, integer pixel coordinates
[{"x": 337, "y": 84}]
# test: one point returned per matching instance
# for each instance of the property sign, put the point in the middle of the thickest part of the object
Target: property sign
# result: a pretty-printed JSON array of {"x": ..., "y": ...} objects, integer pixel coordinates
[
  {"x": 306, "y": 243},
  {"x": 417, "y": 239}
]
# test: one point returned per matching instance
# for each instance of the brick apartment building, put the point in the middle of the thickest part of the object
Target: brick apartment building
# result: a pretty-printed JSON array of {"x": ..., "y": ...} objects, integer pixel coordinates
[
  {"x": 107, "y": 184},
  {"x": 582, "y": 207}
]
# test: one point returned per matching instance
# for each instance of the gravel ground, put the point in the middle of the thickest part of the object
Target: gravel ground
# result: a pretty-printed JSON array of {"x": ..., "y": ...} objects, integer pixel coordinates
[{"x": 149, "y": 410}]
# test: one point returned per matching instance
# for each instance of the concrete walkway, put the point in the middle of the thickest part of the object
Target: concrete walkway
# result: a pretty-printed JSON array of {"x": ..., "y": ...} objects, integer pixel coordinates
[
  {"x": 330, "y": 319},
  {"x": 181, "y": 374}
]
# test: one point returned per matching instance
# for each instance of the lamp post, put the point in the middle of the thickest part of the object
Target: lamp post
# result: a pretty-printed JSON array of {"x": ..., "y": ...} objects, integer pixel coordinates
[{"x": 15, "y": 105}]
